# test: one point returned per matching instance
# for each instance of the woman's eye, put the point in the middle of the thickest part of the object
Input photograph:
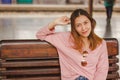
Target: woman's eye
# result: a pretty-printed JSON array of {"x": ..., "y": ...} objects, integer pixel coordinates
[
  {"x": 85, "y": 22},
  {"x": 78, "y": 25}
]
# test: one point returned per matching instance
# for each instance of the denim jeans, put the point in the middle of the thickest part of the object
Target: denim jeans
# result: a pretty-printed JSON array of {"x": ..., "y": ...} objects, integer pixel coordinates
[{"x": 81, "y": 78}]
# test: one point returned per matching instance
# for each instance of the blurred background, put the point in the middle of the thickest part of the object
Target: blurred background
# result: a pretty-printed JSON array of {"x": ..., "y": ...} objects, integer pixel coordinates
[{"x": 21, "y": 19}]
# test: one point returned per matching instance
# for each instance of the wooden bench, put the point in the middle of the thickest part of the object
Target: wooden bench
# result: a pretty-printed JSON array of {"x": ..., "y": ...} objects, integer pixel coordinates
[{"x": 38, "y": 60}]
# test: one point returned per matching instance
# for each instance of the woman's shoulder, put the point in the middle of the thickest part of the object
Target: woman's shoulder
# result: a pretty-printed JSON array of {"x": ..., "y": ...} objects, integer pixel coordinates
[
  {"x": 103, "y": 43},
  {"x": 100, "y": 46}
]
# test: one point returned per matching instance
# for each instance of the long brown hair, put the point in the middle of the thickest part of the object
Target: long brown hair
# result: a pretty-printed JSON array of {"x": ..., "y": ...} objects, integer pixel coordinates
[{"x": 93, "y": 38}]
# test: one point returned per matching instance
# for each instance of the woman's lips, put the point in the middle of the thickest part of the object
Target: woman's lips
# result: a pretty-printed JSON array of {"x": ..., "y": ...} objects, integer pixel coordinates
[{"x": 84, "y": 32}]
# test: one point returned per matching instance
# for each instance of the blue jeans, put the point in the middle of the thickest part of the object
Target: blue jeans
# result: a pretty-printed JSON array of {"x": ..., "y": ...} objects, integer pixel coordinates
[{"x": 81, "y": 78}]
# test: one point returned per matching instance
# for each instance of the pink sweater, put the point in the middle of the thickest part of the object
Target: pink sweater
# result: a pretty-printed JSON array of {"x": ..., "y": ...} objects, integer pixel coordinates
[{"x": 70, "y": 59}]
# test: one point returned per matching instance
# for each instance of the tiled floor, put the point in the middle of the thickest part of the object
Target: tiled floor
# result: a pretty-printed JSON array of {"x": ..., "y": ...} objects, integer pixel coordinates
[{"x": 24, "y": 26}]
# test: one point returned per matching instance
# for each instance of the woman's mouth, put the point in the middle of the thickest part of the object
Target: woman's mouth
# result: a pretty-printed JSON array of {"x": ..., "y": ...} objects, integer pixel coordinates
[{"x": 84, "y": 32}]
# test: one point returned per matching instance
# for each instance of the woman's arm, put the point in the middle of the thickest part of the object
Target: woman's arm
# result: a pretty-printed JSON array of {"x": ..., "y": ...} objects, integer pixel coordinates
[
  {"x": 47, "y": 33},
  {"x": 103, "y": 64},
  {"x": 64, "y": 20}
]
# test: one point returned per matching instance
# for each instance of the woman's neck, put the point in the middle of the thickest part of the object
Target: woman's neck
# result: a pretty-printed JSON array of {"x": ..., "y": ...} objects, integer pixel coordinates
[{"x": 86, "y": 43}]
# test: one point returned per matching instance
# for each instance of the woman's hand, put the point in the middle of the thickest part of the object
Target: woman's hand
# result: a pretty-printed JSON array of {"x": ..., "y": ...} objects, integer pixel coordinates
[{"x": 64, "y": 20}]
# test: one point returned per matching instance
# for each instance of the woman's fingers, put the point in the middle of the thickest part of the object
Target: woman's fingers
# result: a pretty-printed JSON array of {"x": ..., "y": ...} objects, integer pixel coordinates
[{"x": 64, "y": 20}]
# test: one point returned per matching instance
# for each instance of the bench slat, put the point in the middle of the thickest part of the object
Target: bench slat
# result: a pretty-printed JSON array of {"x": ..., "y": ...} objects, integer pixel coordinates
[
  {"x": 46, "y": 71},
  {"x": 112, "y": 45},
  {"x": 109, "y": 77},
  {"x": 113, "y": 76},
  {"x": 39, "y": 63},
  {"x": 113, "y": 60},
  {"x": 114, "y": 68},
  {"x": 111, "y": 69},
  {"x": 28, "y": 51},
  {"x": 36, "y": 78},
  {"x": 28, "y": 63}
]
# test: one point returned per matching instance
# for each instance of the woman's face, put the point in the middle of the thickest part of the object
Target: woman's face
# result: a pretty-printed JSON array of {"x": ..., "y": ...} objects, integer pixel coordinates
[{"x": 83, "y": 26}]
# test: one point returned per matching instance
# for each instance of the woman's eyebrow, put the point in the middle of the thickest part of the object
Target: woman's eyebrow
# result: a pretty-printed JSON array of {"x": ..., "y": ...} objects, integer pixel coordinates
[{"x": 82, "y": 22}]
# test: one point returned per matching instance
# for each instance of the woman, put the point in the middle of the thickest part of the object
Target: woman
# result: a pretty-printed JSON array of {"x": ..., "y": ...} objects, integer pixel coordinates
[
  {"x": 82, "y": 54},
  {"x": 109, "y": 8}
]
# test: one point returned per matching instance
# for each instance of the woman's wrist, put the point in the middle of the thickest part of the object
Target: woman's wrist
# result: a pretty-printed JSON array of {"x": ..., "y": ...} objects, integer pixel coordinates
[{"x": 51, "y": 25}]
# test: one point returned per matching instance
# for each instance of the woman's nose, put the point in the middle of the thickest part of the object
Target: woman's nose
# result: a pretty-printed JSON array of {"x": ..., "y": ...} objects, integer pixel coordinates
[{"x": 83, "y": 27}]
